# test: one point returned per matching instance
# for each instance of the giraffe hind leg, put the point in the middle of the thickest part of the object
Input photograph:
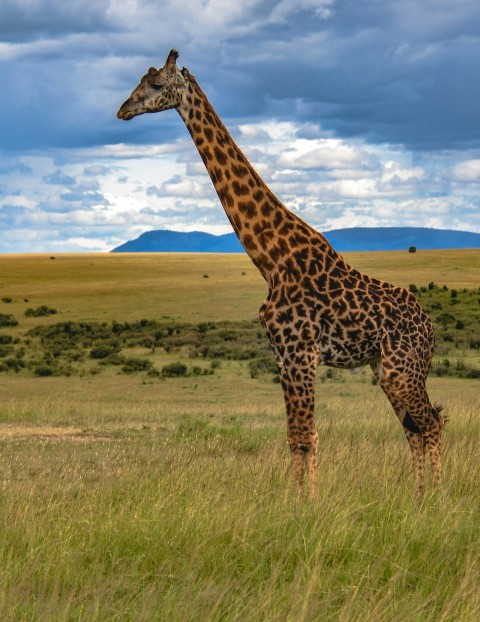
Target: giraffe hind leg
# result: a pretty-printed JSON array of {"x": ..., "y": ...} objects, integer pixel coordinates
[{"x": 410, "y": 428}]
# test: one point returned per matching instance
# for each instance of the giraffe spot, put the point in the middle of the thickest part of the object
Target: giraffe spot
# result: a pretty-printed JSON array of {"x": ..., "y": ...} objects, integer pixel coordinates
[
  {"x": 278, "y": 219},
  {"x": 263, "y": 260},
  {"x": 199, "y": 141},
  {"x": 238, "y": 222},
  {"x": 207, "y": 153},
  {"x": 231, "y": 152},
  {"x": 198, "y": 115},
  {"x": 240, "y": 189},
  {"x": 248, "y": 208},
  {"x": 225, "y": 196},
  {"x": 239, "y": 171},
  {"x": 196, "y": 102},
  {"x": 266, "y": 208},
  {"x": 220, "y": 155},
  {"x": 249, "y": 243},
  {"x": 218, "y": 174},
  {"x": 208, "y": 134}
]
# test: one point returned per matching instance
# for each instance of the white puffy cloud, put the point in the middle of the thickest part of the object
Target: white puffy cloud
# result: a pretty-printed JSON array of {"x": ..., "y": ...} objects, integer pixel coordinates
[{"x": 468, "y": 170}]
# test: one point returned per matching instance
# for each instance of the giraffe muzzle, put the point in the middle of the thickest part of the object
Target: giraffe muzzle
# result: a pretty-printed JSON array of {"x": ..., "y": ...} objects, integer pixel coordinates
[{"x": 125, "y": 115}]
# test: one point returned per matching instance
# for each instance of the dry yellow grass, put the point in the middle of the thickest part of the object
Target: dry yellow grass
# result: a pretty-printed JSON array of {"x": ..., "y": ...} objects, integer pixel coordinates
[{"x": 126, "y": 286}]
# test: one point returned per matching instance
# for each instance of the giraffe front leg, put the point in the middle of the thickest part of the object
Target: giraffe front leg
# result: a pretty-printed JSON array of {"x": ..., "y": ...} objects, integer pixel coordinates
[{"x": 298, "y": 387}]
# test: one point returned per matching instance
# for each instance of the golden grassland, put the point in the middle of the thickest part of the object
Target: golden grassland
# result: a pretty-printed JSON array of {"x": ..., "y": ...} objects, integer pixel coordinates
[
  {"x": 192, "y": 287},
  {"x": 124, "y": 497}
]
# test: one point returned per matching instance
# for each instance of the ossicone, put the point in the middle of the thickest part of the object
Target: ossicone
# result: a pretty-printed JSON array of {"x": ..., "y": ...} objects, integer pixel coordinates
[{"x": 172, "y": 57}]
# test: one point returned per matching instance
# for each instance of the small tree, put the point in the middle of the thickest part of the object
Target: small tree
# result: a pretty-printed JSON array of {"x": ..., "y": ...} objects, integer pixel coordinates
[
  {"x": 412, "y": 249},
  {"x": 445, "y": 319}
]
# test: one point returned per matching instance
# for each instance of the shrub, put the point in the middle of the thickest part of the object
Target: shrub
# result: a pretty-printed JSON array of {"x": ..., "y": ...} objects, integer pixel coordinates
[
  {"x": 102, "y": 352},
  {"x": 44, "y": 371},
  {"x": 132, "y": 365},
  {"x": 7, "y": 299},
  {"x": 5, "y": 351},
  {"x": 40, "y": 311},
  {"x": 7, "y": 320},
  {"x": 6, "y": 339},
  {"x": 445, "y": 319},
  {"x": 262, "y": 365},
  {"x": 173, "y": 370},
  {"x": 413, "y": 288}
]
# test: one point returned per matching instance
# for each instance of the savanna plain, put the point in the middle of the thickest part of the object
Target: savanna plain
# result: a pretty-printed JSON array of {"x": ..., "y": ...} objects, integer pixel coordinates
[{"x": 144, "y": 472}]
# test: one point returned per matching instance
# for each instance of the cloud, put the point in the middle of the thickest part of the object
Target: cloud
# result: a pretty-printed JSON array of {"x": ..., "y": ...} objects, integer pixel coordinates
[
  {"x": 59, "y": 179},
  {"x": 353, "y": 112},
  {"x": 469, "y": 170},
  {"x": 27, "y": 20}
]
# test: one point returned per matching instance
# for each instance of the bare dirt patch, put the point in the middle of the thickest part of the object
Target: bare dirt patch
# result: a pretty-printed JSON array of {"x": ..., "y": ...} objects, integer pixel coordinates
[{"x": 13, "y": 431}]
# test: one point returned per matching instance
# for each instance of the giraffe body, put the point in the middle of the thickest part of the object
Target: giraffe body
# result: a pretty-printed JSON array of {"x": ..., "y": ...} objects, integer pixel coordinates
[{"x": 319, "y": 310}]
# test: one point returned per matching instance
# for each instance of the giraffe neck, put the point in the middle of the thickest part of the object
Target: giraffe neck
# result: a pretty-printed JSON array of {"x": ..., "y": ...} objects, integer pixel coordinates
[{"x": 265, "y": 227}]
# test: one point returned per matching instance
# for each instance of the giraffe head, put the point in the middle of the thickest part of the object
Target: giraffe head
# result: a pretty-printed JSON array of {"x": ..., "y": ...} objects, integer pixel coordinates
[{"x": 159, "y": 89}]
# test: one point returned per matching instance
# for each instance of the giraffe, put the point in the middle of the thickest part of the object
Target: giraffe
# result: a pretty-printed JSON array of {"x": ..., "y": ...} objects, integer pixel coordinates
[{"x": 318, "y": 310}]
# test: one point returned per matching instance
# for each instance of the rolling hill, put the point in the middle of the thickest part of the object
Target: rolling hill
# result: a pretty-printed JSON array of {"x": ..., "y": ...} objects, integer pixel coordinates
[{"x": 343, "y": 240}]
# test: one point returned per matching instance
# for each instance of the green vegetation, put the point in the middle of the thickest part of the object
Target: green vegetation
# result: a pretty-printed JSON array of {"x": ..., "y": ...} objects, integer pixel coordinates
[
  {"x": 144, "y": 469},
  {"x": 68, "y": 347}
]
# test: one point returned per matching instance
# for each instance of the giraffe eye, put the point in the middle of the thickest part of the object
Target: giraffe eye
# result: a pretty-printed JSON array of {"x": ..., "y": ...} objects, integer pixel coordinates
[{"x": 157, "y": 87}]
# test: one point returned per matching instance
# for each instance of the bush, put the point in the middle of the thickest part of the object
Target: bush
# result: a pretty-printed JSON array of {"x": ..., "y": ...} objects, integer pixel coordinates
[
  {"x": 174, "y": 370},
  {"x": 262, "y": 365},
  {"x": 44, "y": 371},
  {"x": 7, "y": 320},
  {"x": 5, "y": 351},
  {"x": 132, "y": 365},
  {"x": 41, "y": 311},
  {"x": 102, "y": 352},
  {"x": 6, "y": 339},
  {"x": 7, "y": 299}
]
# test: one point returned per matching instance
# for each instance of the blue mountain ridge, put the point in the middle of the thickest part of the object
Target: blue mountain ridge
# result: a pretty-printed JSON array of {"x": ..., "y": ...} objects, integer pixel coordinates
[{"x": 342, "y": 240}]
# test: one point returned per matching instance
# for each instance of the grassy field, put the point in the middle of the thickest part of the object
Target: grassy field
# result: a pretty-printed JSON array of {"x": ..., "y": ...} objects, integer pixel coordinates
[{"x": 132, "y": 497}]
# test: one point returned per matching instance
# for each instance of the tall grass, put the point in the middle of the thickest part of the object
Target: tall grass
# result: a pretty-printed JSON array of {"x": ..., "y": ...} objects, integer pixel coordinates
[
  {"x": 131, "y": 498},
  {"x": 197, "y": 521}
]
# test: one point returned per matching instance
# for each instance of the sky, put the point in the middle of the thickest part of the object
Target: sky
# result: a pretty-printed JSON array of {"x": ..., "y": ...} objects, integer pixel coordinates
[{"x": 354, "y": 112}]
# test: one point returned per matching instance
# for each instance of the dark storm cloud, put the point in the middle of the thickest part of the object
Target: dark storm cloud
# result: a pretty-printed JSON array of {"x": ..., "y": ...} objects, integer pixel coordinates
[
  {"x": 397, "y": 72},
  {"x": 391, "y": 72},
  {"x": 26, "y": 21}
]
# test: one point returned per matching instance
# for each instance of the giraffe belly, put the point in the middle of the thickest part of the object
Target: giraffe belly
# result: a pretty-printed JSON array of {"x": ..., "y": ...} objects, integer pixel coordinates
[{"x": 348, "y": 348}]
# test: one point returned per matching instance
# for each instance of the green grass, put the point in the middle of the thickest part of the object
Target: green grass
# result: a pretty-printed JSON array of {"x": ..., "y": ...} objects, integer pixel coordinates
[
  {"x": 127, "y": 497},
  {"x": 190, "y": 516}
]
